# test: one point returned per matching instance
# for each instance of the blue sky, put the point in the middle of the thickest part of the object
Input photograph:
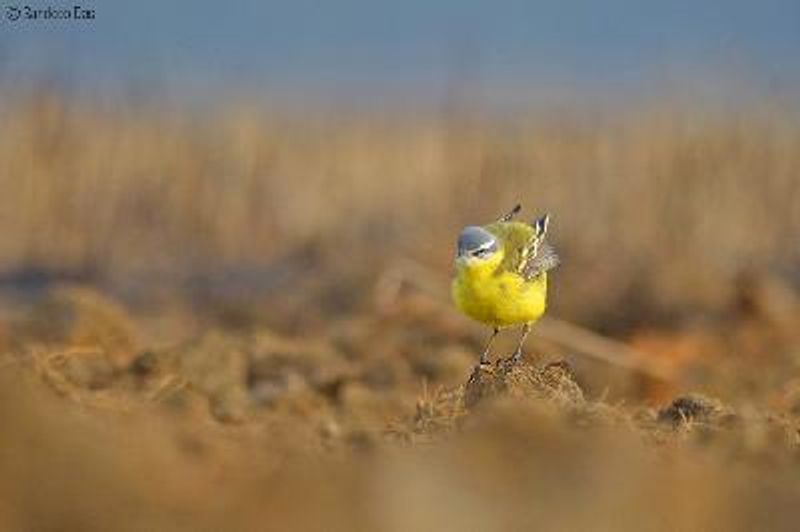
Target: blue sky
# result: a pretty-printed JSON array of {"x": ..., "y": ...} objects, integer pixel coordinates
[{"x": 357, "y": 47}]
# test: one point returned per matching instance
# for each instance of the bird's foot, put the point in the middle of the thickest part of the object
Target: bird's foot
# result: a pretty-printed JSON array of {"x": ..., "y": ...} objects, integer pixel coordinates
[{"x": 516, "y": 358}]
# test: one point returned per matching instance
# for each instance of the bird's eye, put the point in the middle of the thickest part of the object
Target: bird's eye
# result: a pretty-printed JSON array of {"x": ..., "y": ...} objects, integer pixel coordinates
[{"x": 481, "y": 252}]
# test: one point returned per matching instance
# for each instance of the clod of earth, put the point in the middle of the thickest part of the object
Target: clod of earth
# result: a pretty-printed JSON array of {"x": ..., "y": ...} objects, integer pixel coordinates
[
  {"x": 555, "y": 382},
  {"x": 695, "y": 408}
]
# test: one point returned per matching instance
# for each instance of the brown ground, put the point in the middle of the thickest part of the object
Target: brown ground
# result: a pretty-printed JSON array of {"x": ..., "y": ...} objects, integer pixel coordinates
[{"x": 381, "y": 422}]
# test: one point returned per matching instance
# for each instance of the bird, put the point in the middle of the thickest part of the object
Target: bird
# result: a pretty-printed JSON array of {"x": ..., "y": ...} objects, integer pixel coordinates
[{"x": 501, "y": 275}]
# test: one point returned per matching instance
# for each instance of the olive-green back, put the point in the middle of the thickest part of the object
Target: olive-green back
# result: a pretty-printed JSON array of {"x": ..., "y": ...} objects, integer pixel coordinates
[{"x": 515, "y": 239}]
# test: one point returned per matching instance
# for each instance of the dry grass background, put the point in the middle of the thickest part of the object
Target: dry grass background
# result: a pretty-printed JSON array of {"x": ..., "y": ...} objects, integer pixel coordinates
[
  {"x": 664, "y": 205},
  {"x": 262, "y": 338}
]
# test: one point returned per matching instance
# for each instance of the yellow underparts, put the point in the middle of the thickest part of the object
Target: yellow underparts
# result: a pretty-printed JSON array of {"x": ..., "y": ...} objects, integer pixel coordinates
[{"x": 498, "y": 299}]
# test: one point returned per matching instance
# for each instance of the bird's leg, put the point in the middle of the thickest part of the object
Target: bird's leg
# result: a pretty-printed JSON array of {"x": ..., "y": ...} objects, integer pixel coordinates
[
  {"x": 485, "y": 354},
  {"x": 517, "y": 356}
]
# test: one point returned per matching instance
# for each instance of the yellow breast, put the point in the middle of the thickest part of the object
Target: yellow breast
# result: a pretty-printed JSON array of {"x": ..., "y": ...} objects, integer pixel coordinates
[{"x": 498, "y": 299}]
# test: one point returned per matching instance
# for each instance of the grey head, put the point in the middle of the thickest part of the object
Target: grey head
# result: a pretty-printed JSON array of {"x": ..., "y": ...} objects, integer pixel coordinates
[{"x": 476, "y": 242}]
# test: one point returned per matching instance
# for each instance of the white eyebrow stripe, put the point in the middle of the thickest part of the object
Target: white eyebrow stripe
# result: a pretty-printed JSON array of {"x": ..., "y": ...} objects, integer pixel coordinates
[{"x": 488, "y": 245}]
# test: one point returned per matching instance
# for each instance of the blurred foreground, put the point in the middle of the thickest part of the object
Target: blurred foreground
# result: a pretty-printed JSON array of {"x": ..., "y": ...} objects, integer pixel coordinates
[{"x": 241, "y": 321}]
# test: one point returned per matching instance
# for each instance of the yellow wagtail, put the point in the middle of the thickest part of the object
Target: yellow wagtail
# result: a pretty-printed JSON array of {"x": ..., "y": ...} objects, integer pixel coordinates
[{"x": 501, "y": 275}]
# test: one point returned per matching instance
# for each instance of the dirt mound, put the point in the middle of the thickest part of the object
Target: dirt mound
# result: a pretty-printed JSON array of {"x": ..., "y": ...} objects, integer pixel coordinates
[
  {"x": 555, "y": 382},
  {"x": 696, "y": 408},
  {"x": 81, "y": 319}
]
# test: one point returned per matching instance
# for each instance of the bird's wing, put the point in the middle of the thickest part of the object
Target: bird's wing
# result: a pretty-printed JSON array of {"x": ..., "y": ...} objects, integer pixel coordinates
[
  {"x": 527, "y": 253},
  {"x": 515, "y": 238},
  {"x": 543, "y": 259}
]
